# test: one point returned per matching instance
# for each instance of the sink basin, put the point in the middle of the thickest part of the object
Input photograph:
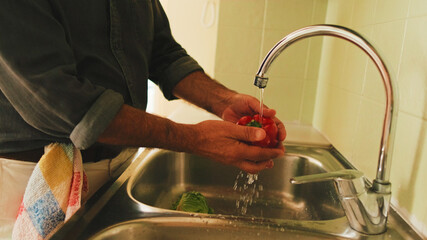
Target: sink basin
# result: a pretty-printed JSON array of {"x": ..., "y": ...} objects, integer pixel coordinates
[
  {"x": 176, "y": 228},
  {"x": 164, "y": 175},
  {"x": 137, "y": 204}
]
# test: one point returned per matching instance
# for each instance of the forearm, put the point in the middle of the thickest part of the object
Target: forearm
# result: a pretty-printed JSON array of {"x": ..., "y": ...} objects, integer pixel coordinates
[
  {"x": 221, "y": 141},
  {"x": 137, "y": 128},
  {"x": 201, "y": 90}
]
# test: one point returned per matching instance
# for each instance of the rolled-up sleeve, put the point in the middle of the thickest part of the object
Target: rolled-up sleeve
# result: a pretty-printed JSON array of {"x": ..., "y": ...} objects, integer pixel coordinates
[
  {"x": 38, "y": 76},
  {"x": 96, "y": 119},
  {"x": 170, "y": 63}
]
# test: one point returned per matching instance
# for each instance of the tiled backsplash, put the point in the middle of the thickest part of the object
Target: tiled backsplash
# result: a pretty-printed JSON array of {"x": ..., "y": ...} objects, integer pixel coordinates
[
  {"x": 328, "y": 82},
  {"x": 349, "y": 105}
]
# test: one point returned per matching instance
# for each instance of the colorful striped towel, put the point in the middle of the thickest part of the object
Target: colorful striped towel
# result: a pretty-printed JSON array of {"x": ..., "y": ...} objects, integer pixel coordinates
[{"x": 53, "y": 193}]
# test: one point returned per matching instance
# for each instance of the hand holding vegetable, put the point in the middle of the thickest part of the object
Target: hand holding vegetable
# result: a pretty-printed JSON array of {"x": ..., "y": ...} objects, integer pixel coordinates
[
  {"x": 227, "y": 143},
  {"x": 266, "y": 123},
  {"x": 241, "y": 105}
]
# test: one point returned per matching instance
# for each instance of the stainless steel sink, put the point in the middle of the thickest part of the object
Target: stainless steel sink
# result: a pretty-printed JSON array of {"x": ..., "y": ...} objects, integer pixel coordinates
[
  {"x": 184, "y": 228},
  {"x": 136, "y": 205},
  {"x": 164, "y": 175}
]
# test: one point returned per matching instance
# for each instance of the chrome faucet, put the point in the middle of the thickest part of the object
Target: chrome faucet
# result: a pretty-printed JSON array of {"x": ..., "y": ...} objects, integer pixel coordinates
[{"x": 366, "y": 205}]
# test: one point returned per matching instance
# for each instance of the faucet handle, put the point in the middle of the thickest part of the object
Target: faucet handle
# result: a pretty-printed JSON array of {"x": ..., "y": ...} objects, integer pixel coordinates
[
  {"x": 349, "y": 182},
  {"x": 346, "y": 174}
]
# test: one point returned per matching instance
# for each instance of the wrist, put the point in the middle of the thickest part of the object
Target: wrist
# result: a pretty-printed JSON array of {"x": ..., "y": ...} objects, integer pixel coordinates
[
  {"x": 180, "y": 137},
  {"x": 225, "y": 101},
  {"x": 200, "y": 89}
]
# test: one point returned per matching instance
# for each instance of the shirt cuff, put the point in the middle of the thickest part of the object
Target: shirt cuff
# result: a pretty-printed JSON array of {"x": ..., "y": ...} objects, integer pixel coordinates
[
  {"x": 175, "y": 73},
  {"x": 97, "y": 119}
]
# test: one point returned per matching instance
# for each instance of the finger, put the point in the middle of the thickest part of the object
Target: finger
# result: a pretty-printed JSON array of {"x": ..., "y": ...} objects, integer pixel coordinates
[
  {"x": 280, "y": 129},
  {"x": 251, "y": 167},
  {"x": 281, "y": 147},
  {"x": 248, "y": 134},
  {"x": 267, "y": 112},
  {"x": 259, "y": 154},
  {"x": 255, "y": 107}
]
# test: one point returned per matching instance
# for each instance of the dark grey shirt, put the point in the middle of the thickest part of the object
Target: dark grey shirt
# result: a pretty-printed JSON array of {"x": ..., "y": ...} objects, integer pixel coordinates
[{"x": 67, "y": 66}]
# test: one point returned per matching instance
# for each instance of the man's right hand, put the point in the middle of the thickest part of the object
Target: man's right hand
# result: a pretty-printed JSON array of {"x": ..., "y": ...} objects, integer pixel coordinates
[
  {"x": 227, "y": 143},
  {"x": 222, "y": 141}
]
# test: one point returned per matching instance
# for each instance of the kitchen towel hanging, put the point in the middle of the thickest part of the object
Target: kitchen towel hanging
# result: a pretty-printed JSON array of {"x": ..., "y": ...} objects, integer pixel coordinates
[{"x": 53, "y": 194}]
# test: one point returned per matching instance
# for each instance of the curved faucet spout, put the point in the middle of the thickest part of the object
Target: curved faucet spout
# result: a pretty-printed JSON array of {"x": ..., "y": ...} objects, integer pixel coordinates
[{"x": 381, "y": 183}]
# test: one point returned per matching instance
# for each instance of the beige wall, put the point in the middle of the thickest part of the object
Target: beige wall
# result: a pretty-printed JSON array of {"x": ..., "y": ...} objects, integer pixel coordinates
[
  {"x": 244, "y": 39},
  {"x": 350, "y": 101},
  {"x": 324, "y": 81},
  {"x": 189, "y": 22},
  {"x": 233, "y": 48}
]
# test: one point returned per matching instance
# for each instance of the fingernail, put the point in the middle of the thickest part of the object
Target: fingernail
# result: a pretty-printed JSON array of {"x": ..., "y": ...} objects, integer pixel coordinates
[
  {"x": 270, "y": 164},
  {"x": 259, "y": 134}
]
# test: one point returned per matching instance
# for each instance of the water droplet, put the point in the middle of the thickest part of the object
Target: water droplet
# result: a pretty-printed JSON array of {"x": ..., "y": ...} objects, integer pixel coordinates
[{"x": 248, "y": 188}]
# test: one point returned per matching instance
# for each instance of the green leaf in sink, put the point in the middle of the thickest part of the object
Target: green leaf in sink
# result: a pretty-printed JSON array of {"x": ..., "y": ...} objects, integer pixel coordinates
[{"x": 192, "y": 202}]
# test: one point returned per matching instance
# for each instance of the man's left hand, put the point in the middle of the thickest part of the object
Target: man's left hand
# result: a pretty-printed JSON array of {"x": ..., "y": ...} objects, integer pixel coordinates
[{"x": 243, "y": 105}]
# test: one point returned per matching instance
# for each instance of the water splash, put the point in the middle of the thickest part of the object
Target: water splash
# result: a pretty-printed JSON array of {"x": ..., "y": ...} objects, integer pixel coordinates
[{"x": 248, "y": 187}]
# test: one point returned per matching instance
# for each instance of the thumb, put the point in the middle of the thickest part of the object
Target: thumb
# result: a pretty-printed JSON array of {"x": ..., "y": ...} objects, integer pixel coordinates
[{"x": 250, "y": 134}]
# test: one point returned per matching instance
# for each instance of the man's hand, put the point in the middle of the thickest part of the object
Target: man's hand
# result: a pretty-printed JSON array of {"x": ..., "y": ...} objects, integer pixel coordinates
[
  {"x": 244, "y": 105},
  {"x": 225, "y": 142},
  {"x": 222, "y": 141},
  {"x": 201, "y": 90}
]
